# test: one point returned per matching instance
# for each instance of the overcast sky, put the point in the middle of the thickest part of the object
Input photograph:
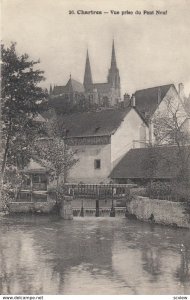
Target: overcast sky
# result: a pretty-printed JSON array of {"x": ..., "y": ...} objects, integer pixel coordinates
[{"x": 151, "y": 50}]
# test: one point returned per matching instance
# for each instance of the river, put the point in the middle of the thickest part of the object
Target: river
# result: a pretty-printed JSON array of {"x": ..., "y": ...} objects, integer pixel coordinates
[{"x": 47, "y": 255}]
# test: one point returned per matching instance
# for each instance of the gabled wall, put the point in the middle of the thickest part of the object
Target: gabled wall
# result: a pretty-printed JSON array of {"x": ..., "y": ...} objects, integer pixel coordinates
[
  {"x": 177, "y": 106},
  {"x": 131, "y": 129},
  {"x": 173, "y": 96},
  {"x": 84, "y": 170}
]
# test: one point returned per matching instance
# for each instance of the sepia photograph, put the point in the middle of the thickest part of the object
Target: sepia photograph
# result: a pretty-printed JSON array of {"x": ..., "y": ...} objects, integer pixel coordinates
[{"x": 95, "y": 148}]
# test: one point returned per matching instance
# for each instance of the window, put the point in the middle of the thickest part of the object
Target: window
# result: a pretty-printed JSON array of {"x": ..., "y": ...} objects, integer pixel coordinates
[
  {"x": 43, "y": 178},
  {"x": 24, "y": 197},
  {"x": 39, "y": 197},
  {"x": 97, "y": 164},
  {"x": 39, "y": 178},
  {"x": 36, "y": 178}
]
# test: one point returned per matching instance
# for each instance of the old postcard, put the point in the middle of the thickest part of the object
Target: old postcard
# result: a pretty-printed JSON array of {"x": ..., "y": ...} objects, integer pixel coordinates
[{"x": 95, "y": 148}]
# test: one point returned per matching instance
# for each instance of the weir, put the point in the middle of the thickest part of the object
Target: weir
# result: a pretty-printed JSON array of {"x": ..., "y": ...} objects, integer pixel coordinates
[{"x": 103, "y": 212}]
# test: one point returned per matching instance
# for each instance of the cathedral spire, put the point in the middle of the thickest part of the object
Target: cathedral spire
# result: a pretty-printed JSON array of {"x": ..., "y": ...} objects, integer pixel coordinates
[
  {"x": 87, "y": 74},
  {"x": 113, "y": 57},
  {"x": 50, "y": 89},
  {"x": 113, "y": 74}
]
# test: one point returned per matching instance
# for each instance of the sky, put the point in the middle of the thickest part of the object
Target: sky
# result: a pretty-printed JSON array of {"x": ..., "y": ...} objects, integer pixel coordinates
[{"x": 151, "y": 50}]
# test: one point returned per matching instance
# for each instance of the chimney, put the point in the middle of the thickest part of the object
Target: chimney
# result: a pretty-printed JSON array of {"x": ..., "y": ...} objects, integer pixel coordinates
[
  {"x": 126, "y": 100},
  {"x": 159, "y": 95},
  {"x": 181, "y": 90},
  {"x": 133, "y": 100}
]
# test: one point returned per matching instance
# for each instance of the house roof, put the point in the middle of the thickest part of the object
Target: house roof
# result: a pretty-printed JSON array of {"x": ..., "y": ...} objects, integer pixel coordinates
[
  {"x": 102, "y": 87},
  {"x": 104, "y": 122},
  {"x": 34, "y": 167},
  {"x": 147, "y": 100},
  {"x": 143, "y": 163}
]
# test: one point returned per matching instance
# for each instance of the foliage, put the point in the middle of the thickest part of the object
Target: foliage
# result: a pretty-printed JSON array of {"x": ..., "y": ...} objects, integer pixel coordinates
[
  {"x": 173, "y": 191},
  {"x": 53, "y": 153},
  {"x": 168, "y": 123},
  {"x": 11, "y": 186},
  {"x": 21, "y": 100},
  {"x": 55, "y": 156},
  {"x": 170, "y": 129}
]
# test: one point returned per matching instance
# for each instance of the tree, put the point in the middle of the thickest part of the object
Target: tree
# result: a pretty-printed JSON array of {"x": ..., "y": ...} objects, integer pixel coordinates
[
  {"x": 21, "y": 100},
  {"x": 53, "y": 153},
  {"x": 169, "y": 129}
]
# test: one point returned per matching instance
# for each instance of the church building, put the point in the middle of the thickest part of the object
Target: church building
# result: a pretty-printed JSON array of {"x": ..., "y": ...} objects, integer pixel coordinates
[
  {"x": 104, "y": 94},
  {"x": 74, "y": 93}
]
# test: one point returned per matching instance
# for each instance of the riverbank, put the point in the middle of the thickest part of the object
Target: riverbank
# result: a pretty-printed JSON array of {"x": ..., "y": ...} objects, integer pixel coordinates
[
  {"x": 159, "y": 211},
  {"x": 143, "y": 208}
]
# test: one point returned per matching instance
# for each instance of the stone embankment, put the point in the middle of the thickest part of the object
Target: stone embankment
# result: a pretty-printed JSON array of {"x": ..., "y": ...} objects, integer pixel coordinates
[
  {"x": 31, "y": 207},
  {"x": 159, "y": 211}
]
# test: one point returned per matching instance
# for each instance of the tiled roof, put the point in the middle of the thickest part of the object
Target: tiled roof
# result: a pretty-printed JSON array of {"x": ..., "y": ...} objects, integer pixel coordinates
[
  {"x": 102, "y": 87},
  {"x": 98, "y": 123},
  {"x": 147, "y": 100},
  {"x": 143, "y": 163}
]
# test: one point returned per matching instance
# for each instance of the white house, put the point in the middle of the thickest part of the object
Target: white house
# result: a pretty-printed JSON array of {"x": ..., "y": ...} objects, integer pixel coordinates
[
  {"x": 158, "y": 101},
  {"x": 101, "y": 139}
]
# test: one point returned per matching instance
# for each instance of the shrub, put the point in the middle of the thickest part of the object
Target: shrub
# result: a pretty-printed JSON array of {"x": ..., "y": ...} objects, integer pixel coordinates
[{"x": 173, "y": 191}]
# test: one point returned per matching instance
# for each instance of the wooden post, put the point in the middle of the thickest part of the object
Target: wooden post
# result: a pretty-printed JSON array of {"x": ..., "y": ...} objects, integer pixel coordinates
[
  {"x": 82, "y": 210},
  {"x": 97, "y": 203},
  {"x": 31, "y": 187},
  {"x": 112, "y": 212}
]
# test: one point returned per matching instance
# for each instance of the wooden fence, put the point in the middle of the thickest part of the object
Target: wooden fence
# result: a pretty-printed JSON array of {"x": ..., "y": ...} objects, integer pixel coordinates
[{"x": 101, "y": 191}]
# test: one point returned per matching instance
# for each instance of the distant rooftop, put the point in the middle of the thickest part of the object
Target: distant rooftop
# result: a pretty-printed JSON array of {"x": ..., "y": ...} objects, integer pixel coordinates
[
  {"x": 147, "y": 100},
  {"x": 104, "y": 122},
  {"x": 138, "y": 163}
]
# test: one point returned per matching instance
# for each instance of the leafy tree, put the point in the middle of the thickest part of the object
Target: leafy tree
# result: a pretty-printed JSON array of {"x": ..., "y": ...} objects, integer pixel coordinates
[
  {"x": 170, "y": 129},
  {"x": 53, "y": 153},
  {"x": 21, "y": 100}
]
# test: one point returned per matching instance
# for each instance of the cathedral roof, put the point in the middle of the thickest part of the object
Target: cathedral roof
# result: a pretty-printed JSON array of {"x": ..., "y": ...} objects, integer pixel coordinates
[
  {"x": 99, "y": 123},
  {"x": 137, "y": 163},
  {"x": 102, "y": 87},
  {"x": 75, "y": 85},
  {"x": 58, "y": 89},
  {"x": 147, "y": 100},
  {"x": 71, "y": 86}
]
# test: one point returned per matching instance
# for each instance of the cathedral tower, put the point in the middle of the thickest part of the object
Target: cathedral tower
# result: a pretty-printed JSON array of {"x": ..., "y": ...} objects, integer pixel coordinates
[
  {"x": 114, "y": 79},
  {"x": 88, "y": 84},
  {"x": 113, "y": 74}
]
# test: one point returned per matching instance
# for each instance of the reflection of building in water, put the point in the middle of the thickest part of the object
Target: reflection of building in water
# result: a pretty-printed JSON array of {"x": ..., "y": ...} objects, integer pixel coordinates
[
  {"x": 151, "y": 258},
  {"x": 51, "y": 256},
  {"x": 182, "y": 272},
  {"x": 42, "y": 252},
  {"x": 153, "y": 269}
]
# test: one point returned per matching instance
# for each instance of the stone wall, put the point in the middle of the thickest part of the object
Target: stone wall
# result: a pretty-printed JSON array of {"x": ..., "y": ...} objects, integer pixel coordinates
[
  {"x": 159, "y": 211},
  {"x": 28, "y": 207}
]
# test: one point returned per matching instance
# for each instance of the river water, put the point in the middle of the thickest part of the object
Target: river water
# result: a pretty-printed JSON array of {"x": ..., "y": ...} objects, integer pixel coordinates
[{"x": 46, "y": 255}]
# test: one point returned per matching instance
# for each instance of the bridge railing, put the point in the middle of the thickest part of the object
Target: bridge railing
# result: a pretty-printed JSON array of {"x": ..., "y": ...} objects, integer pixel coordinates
[{"x": 101, "y": 191}]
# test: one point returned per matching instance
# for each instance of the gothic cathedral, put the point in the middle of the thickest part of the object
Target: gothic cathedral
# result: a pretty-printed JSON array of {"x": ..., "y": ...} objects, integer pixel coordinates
[{"x": 100, "y": 94}]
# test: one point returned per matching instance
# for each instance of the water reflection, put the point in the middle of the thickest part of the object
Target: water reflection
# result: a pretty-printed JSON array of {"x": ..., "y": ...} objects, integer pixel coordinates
[
  {"x": 41, "y": 255},
  {"x": 182, "y": 273}
]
